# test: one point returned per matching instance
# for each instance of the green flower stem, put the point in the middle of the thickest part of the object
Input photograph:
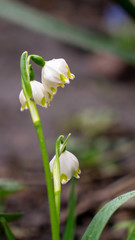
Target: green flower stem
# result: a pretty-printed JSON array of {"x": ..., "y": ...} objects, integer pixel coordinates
[
  {"x": 57, "y": 185},
  {"x": 37, "y": 123},
  {"x": 56, "y": 177},
  {"x": 53, "y": 214},
  {"x": 24, "y": 63}
]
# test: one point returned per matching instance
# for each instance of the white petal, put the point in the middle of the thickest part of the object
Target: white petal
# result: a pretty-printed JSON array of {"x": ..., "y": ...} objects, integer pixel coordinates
[
  {"x": 37, "y": 91},
  {"x": 50, "y": 73},
  {"x": 51, "y": 164}
]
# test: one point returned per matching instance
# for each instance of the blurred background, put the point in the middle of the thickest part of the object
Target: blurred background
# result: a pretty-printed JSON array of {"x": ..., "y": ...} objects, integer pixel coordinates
[{"x": 97, "y": 39}]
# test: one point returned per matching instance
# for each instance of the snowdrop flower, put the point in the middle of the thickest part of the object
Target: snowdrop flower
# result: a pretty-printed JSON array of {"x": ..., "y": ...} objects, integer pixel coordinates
[
  {"x": 56, "y": 73},
  {"x": 24, "y": 104},
  {"x": 39, "y": 95},
  {"x": 69, "y": 166}
]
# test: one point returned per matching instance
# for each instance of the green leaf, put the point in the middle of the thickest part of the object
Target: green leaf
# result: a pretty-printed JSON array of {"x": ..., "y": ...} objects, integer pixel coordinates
[
  {"x": 24, "y": 74},
  {"x": 132, "y": 235},
  {"x": 98, "y": 223},
  {"x": 65, "y": 143},
  {"x": 8, "y": 187},
  {"x": 70, "y": 225},
  {"x": 11, "y": 216},
  {"x": 58, "y": 145},
  {"x": 48, "y": 25},
  {"x": 7, "y": 230}
]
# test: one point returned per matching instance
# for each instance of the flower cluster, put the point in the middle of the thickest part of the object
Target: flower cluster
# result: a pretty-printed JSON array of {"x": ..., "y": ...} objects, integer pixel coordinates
[
  {"x": 69, "y": 166},
  {"x": 55, "y": 74}
]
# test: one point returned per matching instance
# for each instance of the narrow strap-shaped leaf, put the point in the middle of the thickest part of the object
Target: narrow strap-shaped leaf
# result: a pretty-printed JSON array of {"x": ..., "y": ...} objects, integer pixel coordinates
[
  {"x": 131, "y": 235},
  {"x": 7, "y": 230},
  {"x": 70, "y": 226},
  {"x": 11, "y": 216},
  {"x": 98, "y": 223},
  {"x": 47, "y": 24},
  {"x": 24, "y": 73}
]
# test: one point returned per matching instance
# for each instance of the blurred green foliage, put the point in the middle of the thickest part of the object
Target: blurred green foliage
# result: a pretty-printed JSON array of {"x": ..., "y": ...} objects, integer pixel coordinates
[
  {"x": 129, "y": 225},
  {"x": 44, "y": 23},
  {"x": 97, "y": 143},
  {"x": 9, "y": 187}
]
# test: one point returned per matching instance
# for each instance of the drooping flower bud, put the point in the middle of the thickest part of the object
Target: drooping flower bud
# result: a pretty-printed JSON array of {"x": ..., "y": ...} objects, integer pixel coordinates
[
  {"x": 56, "y": 71},
  {"x": 69, "y": 166},
  {"x": 24, "y": 104},
  {"x": 39, "y": 95}
]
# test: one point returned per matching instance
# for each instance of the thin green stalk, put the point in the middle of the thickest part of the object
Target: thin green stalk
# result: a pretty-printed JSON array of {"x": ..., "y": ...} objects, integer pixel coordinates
[
  {"x": 53, "y": 214},
  {"x": 57, "y": 185},
  {"x": 57, "y": 202},
  {"x": 24, "y": 64}
]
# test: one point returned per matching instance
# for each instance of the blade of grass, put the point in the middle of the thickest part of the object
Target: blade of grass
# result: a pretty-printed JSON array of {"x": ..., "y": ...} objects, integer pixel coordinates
[
  {"x": 11, "y": 216},
  {"x": 41, "y": 22},
  {"x": 7, "y": 230},
  {"x": 70, "y": 225},
  {"x": 98, "y": 223},
  {"x": 132, "y": 235}
]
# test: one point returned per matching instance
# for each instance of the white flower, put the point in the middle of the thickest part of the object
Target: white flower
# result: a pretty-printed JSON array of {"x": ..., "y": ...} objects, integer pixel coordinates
[
  {"x": 69, "y": 166},
  {"x": 39, "y": 95},
  {"x": 56, "y": 72},
  {"x": 24, "y": 104}
]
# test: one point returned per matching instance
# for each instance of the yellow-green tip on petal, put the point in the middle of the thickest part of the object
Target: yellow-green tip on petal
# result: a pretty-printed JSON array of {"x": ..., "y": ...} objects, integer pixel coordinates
[
  {"x": 22, "y": 108},
  {"x": 60, "y": 85},
  {"x": 63, "y": 178},
  {"x": 79, "y": 171},
  {"x": 26, "y": 105},
  {"x": 76, "y": 175},
  {"x": 69, "y": 74},
  {"x": 43, "y": 102},
  {"x": 53, "y": 89},
  {"x": 63, "y": 78},
  {"x": 72, "y": 76}
]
